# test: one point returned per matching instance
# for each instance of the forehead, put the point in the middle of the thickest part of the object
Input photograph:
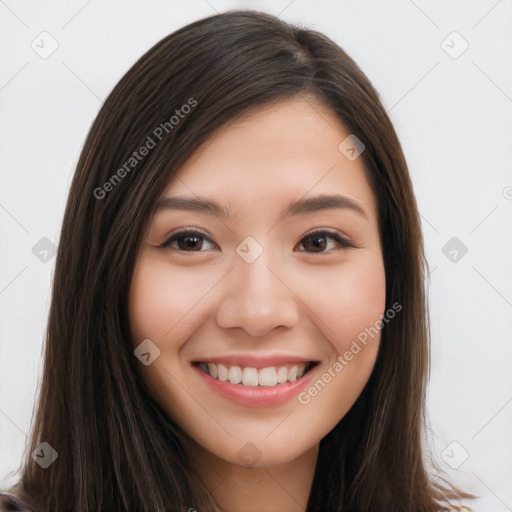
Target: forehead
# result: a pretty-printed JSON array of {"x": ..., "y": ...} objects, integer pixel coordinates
[{"x": 275, "y": 155}]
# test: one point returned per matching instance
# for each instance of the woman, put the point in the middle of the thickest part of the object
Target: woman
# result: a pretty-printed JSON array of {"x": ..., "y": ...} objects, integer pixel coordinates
[{"x": 238, "y": 318}]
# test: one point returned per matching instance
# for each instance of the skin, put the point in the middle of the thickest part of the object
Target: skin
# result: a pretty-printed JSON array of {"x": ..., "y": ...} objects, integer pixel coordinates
[{"x": 208, "y": 301}]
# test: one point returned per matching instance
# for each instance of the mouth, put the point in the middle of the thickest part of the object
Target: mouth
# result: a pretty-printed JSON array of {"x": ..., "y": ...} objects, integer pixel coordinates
[
  {"x": 258, "y": 385},
  {"x": 256, "y": 377}
]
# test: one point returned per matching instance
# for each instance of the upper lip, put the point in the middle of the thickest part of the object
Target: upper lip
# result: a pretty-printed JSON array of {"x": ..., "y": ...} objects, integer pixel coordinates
[{"x": 255, "y": 360}]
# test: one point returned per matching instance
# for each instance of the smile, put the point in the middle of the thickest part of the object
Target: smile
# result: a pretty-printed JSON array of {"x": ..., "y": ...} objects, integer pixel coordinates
[
  {"x": 254, "y": 377},
  {"x": 254, "y": 382}
]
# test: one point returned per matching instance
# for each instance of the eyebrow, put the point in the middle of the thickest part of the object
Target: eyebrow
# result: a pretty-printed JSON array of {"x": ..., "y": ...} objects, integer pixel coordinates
[{"x": 300, "y": 207}]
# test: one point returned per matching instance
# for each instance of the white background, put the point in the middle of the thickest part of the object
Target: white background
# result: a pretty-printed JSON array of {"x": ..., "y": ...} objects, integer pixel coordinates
[{"x": 453, "y": 117}]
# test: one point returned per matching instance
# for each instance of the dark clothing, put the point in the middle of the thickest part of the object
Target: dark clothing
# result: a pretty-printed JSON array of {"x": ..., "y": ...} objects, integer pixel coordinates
[{"x": 10, "y": 502}]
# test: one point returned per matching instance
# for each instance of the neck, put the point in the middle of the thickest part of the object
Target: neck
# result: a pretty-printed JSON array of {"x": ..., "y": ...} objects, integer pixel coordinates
[{"x": 280, "y": 488}]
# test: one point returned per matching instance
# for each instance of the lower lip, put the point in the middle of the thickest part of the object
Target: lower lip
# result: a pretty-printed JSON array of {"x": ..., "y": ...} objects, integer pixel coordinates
[{"x": 257, "y": 396}]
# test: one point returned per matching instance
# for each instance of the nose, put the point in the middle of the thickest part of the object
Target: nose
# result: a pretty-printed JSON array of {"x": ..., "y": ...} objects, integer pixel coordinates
[{"x": 257, "y": 297}]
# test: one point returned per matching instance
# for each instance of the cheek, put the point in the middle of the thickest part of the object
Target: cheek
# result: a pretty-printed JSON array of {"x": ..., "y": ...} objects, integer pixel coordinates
[
  {"x": 161, "y": 307},
  {"x": 363, "y": 299},
  {"x": 348, "y": 300},
  {"x": 351, "y": 315},
  {"x": 146, "y": 304},
  {"x": 161, "y": 301}
]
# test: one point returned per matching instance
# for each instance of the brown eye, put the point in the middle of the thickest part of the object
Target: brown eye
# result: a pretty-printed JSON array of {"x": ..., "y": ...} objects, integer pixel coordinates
[
  {"x": 319, "y": 241},
  {"x": 187, "y": 241}
]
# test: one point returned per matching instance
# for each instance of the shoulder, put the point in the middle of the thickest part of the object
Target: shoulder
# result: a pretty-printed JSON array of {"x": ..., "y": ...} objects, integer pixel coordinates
[{"x": 10, "y": 502}]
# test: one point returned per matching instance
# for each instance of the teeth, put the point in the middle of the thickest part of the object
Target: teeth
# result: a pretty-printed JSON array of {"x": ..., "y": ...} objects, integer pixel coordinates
[
  {"x": 222, "y": 372},
  {"x": 267, "y": 377},
  {"x": 235, "y": 375},
  {"x": 212, "y": 369},
  {"x": 282, "y": 375},
  {"x": 249, "y": 376}
]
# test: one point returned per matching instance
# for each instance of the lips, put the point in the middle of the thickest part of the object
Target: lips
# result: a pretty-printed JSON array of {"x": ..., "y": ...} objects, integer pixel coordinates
[{"x": 256, "y": 381}]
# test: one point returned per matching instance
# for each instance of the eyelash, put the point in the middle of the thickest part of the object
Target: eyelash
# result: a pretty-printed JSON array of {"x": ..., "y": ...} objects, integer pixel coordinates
[{"x": 344, "y": 243}]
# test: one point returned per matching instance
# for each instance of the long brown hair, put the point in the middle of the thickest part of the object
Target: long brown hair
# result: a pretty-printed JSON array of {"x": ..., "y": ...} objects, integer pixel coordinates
[{"x": 117, "y": 449}]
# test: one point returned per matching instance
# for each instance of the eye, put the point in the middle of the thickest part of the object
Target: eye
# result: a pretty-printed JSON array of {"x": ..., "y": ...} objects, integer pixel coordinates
[
  {"x": 318, "y": 241},
  {"x": 187, "y": 241}
]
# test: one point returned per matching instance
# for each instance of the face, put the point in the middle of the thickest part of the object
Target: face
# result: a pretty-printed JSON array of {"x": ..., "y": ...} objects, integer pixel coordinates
[{"x": 260, "y": 272}]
